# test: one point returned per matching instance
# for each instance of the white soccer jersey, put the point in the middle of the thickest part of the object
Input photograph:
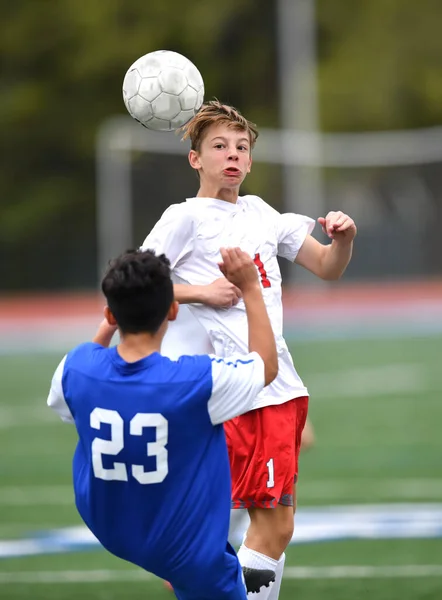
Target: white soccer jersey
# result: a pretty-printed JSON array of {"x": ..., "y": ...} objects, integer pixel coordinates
[{"x": 191, "y": 235}]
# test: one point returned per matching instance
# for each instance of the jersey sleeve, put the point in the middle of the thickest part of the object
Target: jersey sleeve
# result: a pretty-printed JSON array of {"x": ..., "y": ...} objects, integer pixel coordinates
[
  {"x": 237, "y": 380},
  {"x": 173, "y": 235},
  {"x": 56, "y": 399},
  {"x": 292, "y": 229}
]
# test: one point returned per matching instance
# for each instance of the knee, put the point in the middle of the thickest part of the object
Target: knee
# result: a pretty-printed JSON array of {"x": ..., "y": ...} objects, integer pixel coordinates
[
  {"x": 285, "y": 533},
  {"x": 271, "y": 537},
  {"x": 280, "y": 537}
]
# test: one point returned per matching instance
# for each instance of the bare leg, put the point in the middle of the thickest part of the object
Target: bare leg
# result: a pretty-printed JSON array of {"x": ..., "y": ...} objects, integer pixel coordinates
[
  {"x": 308, "y": 436},
  {"x": 270, "y": 530}
]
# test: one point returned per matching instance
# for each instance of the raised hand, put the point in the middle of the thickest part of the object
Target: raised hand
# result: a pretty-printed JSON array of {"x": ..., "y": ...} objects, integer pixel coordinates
[
  {"x": 238, "y": 267},
  {"x": 338, "y": 226},
  {"x": 106, "y": 330}
]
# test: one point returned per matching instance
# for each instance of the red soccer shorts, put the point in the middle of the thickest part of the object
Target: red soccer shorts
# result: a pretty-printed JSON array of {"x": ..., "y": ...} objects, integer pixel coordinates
[{"x": 264, "y": 448}]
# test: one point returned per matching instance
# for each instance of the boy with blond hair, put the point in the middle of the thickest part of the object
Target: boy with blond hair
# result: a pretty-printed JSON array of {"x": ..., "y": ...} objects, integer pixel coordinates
[{"x": 263, "y": 443}]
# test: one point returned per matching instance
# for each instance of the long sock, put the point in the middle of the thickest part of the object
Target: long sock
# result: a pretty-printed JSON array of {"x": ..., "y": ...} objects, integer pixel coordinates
[
  {"x": 256, "y": 560},
  {"x": 239, "y": 521},
  {"x": 274, "y": 594}
]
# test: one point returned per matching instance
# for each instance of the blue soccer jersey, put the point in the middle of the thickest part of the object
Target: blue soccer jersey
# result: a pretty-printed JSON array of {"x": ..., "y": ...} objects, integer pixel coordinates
[{"x": 151, "y": 471}]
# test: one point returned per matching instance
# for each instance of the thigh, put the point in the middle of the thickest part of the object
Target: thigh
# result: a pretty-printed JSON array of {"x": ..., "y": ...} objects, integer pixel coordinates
[
  {"x": 300, "y": 418},
  {"x": 270, "y": 531},
  {"x": 263, "y": 457}
]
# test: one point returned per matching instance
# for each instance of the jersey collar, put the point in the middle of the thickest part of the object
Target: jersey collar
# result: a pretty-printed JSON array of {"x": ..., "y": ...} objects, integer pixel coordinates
[
  {"x": 139, "y": 365},
  {"x": 219, "y": 204}
]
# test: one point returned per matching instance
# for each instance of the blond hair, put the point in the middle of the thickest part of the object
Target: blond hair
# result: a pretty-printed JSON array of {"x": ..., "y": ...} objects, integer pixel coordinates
[{"x": 215, "y": 113}]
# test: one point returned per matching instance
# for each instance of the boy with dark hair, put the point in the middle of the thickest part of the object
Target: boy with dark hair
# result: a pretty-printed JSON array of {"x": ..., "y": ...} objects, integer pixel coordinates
[{"x": 151, "y": 471}]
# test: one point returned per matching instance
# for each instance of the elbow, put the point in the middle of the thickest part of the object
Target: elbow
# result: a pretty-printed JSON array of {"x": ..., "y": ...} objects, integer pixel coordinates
[
  {"x": 331, "y": 272},
  {"x": 331, "y": 276},
  {"x": 270, "y": 371}
]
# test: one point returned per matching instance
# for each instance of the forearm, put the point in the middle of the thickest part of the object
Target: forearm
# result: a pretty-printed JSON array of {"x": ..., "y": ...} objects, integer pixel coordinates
[
  {"x": 189, "y": 294},
  {"x": 336, "y": 257},
  {"x": 105, "y": 333},
  {"x": 261, "y": 336}
]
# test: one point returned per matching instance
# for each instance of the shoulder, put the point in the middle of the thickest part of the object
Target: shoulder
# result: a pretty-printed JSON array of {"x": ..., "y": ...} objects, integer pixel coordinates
[
  {"x": 182, "y": 212},
  {"x": 82, "y": 354},
  {"x": 85, "y": 348},
  {"x": 257, "y": 204},
  {"x": 181, "y": 219},
  {"x": 297, "y": 222},
  {"x": 81, "y": 360},
  {"x": 192, "y": 367},
  {"x": 234, "y": 361},
  {"x": 236, "y": 367}
]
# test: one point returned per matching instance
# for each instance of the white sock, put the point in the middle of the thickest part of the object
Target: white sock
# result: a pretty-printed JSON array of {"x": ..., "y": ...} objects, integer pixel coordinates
[
  {"x": 274, "y": 594},
  {"x": 239, "y": 521},
  {"x": 256, "y": 560}
]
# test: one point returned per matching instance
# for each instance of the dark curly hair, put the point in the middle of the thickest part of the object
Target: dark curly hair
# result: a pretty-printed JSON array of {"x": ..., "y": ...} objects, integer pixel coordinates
[{"x": 139, "y": 290}]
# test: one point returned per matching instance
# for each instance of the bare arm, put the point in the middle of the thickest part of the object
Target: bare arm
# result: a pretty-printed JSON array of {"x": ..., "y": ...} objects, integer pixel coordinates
[
  {"x": 104, "y": 333},
  {"x": 261, "y": 336},
  {"x": 240, "y": 269},
  {"x": 326, "y": 261},
  {"x": 329, "y": 261},
  {"x": 188, "y": 294},
  {"x": 220, "y": 293}
]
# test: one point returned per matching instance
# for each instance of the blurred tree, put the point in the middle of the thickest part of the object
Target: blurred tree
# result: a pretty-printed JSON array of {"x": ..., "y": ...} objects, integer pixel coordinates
[
  {"x": 380, "y": 64},
  {"x": 63, "y": 65},
  {"x": 63, "y": 68}
]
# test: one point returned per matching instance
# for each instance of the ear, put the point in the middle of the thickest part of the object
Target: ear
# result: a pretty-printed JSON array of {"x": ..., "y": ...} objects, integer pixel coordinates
[
  {"x": 109, "y": 316},
  {"x": 194, "y": 160},
  {"x": 249, "y": 168},
  {"x": 173, "y": 311}
]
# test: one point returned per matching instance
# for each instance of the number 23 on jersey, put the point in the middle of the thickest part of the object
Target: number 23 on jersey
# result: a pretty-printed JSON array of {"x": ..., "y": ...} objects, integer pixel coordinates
[{"x": 112, "y": 447}]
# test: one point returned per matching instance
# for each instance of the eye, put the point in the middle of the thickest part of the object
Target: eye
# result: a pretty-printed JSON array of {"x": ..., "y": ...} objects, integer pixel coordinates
[
  {"x": 243, "y": 148},
  {"x": 218, "y": 146}
]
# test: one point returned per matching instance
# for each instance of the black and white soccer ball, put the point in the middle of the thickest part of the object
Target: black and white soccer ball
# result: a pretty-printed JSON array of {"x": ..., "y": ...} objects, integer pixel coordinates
[{"x": 163, "y": 90}]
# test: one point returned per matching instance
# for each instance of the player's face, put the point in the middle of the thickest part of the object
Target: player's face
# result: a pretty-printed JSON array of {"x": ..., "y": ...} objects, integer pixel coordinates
[{"x": 224, "y": 156}]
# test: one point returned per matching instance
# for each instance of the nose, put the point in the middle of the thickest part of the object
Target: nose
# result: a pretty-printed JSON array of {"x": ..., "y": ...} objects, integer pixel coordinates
[{"x": 233, "y": 154}]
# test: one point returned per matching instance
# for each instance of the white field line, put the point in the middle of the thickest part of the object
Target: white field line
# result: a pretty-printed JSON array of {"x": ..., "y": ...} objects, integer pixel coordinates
[
  {"x": 97, "y": 576},
  {"x": 363, "y": 572},
  {"x": 335, "y": 572}
]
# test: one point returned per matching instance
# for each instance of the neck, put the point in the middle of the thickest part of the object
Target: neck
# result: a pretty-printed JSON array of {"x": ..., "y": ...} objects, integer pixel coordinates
[
  {"x": 135, "y": 346},
  {"x": 214, "y": 191}
]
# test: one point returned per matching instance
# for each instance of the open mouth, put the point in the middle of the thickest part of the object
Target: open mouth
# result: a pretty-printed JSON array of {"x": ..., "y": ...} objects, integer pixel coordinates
[{"x": 232, "y": 171}]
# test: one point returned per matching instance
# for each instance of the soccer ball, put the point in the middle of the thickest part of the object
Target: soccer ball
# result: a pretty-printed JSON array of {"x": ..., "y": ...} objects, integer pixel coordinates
[{"x": 163, "y": 90}]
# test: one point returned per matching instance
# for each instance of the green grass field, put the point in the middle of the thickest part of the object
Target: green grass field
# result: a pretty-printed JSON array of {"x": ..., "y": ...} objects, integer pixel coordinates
[{"x": 377, "y": 411}]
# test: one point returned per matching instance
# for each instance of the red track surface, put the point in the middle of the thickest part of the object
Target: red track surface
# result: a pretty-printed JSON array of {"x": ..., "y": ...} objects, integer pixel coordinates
[{"x": 334, "y": 296}]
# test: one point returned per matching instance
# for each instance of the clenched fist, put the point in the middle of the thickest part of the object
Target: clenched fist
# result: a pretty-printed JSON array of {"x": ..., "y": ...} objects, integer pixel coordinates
[
  {"x": 238, "y": 268},
  {"x": 338, "y": 226}
]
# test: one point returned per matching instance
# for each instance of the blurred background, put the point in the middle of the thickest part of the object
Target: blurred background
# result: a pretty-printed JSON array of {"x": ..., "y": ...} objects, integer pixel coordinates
[{"x": 347, "y": 96}]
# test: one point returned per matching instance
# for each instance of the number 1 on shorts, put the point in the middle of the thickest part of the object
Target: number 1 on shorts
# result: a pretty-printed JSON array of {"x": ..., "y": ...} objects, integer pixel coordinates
[{"x": 271, "y": 469}]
